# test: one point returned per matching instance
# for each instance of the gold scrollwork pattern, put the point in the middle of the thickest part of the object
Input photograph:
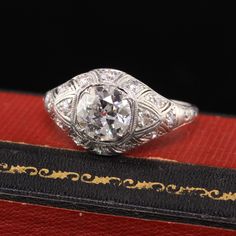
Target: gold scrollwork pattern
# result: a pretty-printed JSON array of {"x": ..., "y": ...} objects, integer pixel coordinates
[
  {"x": 30, "y": 170},
  {"x": 45, "y": 173},
  {"x": 202, "y": 192},
  {"x": 157, "y": 186},
  {"x": 87, "y": 178}
]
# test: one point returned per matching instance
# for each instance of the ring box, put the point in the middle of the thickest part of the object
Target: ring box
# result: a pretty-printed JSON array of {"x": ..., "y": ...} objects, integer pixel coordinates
[{"x": 181, "y": 183}]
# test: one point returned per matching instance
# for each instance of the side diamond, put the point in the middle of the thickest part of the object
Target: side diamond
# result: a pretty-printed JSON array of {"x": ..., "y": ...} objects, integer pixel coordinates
[
  {"x": 134, "y": 86},
  {"x": 108, "y": 74},
  {"x": 171, "y": 119},
  {"x": 64, "y": 107},
  {"x": 83, "y": 80},
  {"x": 156, "y": 100},
  {"x": 146, "y": 118},
  {"x": 48, "y": 101}
]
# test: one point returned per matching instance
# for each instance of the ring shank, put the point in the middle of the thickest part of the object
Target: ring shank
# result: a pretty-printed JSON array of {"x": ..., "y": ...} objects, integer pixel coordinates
[
  {"x": 186, "y": 112},
  {"x": 186, "y": 105}
]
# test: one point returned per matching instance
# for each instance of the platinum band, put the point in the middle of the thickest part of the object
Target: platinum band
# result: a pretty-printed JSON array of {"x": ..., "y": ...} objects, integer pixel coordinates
[{"x": 133, "y": 113}]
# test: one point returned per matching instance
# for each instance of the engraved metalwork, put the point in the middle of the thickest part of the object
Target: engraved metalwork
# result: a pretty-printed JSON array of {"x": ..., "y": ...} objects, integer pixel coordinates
[{"x": 108, "y": 111}]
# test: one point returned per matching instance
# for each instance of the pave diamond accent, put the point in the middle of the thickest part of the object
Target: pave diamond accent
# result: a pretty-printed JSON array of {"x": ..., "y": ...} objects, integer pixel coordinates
[
  {"x": 48, "y": 101},
  {"x": 156, "y": 100},
  {"x": 64, "y": 107},
  {"x": 171, "y": 119},
  {"x": 108, "y": 74},
  {"x": 134, "y": 86},
  {"x": 146, "y": 118},
  {"x": 103, "y": 113},
  {"x": 82, "y": 80}
]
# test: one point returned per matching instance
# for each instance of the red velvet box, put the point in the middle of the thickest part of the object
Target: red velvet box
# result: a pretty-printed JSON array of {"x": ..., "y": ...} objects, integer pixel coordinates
[{"x": 209, "y": 141}]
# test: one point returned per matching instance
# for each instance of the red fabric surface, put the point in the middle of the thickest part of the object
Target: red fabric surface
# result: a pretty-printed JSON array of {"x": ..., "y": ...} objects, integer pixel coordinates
[
  {"x": 208, "y": 141},
  {"x": 28, "y": 220}
]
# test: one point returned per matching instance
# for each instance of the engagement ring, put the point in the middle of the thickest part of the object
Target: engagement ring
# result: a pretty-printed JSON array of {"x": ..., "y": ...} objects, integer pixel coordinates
[{"x": 108, "y": 111}]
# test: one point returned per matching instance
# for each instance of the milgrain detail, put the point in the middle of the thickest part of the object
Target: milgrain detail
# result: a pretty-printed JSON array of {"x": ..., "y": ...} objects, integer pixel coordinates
[{"x": 173, "y": 189}]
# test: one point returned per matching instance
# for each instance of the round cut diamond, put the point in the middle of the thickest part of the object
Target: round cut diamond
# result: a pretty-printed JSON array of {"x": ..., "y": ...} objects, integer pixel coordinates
[{"x": 104, "y": 113}]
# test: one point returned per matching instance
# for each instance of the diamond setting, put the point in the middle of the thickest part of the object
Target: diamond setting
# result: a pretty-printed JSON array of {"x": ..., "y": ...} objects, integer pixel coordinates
[
  {"x": 65, "y": 106},
  {"x": 103, "y": 113},
  {"x": 134, "y": 86},
  {"x": 156, "y": 100},
  {"x": 108, "y": 111},
  {"x": 107, "y": 75},
  {"x": 171, "y": 119},
  {"x": 146, "y": 118}
]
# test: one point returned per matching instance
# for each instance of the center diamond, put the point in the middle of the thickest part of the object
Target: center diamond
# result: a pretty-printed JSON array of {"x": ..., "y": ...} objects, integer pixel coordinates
[{"x": 103, "y": 112}]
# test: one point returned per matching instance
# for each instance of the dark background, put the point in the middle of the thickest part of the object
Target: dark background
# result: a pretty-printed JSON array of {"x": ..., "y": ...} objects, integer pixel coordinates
[{"x": 184, "y": 51}]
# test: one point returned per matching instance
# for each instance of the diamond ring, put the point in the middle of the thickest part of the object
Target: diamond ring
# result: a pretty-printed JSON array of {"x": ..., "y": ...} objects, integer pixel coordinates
[{"x": 108, "y": 111}]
